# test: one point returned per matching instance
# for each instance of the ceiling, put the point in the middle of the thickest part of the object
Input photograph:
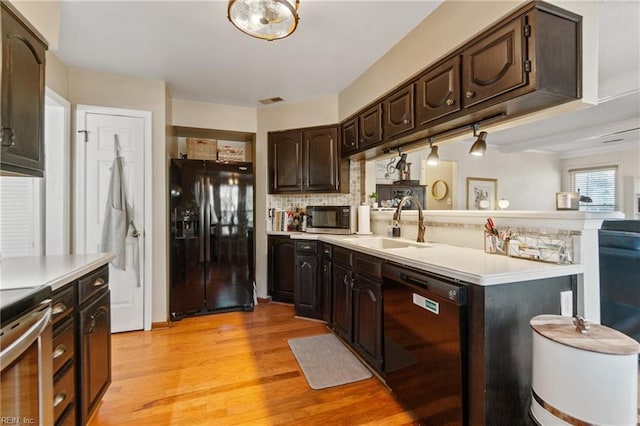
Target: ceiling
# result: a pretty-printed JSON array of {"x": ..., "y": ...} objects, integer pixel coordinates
[{"x": 202, "y": 57}]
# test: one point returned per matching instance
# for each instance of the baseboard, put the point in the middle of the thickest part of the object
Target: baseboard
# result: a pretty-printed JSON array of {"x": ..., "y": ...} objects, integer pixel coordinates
[
  {"x": 160, "y": 325},
  {"x": 264, "y": 299}
]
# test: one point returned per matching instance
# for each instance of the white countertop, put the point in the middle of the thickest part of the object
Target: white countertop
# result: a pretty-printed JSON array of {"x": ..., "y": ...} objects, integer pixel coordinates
[
  {"x": 54, "y": 271},
  {"x": 466, "y": 264}
]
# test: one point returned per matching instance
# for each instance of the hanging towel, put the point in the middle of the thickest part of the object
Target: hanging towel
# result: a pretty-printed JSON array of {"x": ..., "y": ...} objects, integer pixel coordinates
[{"x": 118, "y": 217}]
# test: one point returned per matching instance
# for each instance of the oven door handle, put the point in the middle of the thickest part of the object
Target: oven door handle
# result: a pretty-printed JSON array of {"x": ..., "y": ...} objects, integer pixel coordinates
[{"x": 40, "y": 320}]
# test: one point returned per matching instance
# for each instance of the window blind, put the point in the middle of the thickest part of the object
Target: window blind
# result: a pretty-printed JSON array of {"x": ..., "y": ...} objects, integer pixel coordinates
[{"x": 597, "y": 183}]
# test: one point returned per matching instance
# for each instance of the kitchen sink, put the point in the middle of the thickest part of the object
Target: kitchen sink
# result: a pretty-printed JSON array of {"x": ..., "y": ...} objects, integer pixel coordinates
[{"x": 384, "y": 243}]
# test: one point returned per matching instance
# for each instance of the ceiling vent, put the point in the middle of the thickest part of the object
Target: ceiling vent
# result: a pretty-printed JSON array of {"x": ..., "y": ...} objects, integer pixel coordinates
[
  {"x": 271, "y": 100},
  {"x": 620, "y": 132},
  {"x": 613, "y": 140}
]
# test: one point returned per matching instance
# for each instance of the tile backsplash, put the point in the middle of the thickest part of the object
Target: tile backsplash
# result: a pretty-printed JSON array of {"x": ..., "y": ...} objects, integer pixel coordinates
[{"x": 353, "y": 198}]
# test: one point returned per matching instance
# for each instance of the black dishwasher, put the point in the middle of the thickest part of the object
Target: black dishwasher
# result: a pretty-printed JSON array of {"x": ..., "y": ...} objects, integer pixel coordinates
[
  {"x": 425, "y": 328},
  {"x": 619, "y": 243}
]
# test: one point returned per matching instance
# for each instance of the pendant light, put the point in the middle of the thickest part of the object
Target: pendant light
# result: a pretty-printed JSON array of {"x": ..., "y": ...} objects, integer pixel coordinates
[
  {"x": 433, "y": 158},
  {"x": 264, "y": 19},
  {"x": 479, "y": 147}
]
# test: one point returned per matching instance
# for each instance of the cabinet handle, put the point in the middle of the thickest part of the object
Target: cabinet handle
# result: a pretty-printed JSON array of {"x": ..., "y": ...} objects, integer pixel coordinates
[
  {"x": 59, "y": 351},
  {"x": 450, "y": 102},
  {"x": 98, "y": 282},
  {"x": 59, "y": 308},
  {"x": 7, "y": 137},
  {"x": 406, "y": 121},
  {"x": 470, "y": 94},
  {"x": 57, "y": 400},
  {"x": 102, "y": 310}
]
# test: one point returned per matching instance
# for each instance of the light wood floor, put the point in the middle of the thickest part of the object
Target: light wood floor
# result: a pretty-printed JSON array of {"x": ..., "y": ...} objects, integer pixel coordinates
[{"x": 232, "y": 368}]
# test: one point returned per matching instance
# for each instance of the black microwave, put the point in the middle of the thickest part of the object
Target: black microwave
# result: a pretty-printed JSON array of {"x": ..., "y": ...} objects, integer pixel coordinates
[{"x": 331, "y": 219}]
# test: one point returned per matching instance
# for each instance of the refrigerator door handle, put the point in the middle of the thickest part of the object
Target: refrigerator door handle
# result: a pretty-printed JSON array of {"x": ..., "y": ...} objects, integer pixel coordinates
[
  {"x": 207, "y": 220},
  {"x": 201, "y": 200}
]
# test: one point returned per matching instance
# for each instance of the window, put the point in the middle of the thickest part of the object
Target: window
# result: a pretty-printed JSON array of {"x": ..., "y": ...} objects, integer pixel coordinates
[{"x": 597, "y": 187}]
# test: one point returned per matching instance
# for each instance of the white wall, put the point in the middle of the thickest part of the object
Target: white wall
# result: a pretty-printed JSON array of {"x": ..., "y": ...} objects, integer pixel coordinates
[{"x": 213, "y": 116}]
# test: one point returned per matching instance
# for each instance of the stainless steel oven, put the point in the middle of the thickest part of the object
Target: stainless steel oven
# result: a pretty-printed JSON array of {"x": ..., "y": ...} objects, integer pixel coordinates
[{"x": 26, "y": 384}]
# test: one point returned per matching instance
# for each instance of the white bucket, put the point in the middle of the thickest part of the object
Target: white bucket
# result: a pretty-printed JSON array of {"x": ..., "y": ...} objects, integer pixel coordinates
[{"x": 579, "y": 379}]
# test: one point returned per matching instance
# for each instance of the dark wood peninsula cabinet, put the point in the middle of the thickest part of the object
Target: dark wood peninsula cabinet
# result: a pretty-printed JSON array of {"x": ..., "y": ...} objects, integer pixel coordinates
[
  {"x": 399, "y": 112},
  {"x": 22, "y": 100},
  {"x": 528, "y": 61},
  {"x": 495, "y": 64},
  {"x": 280, "y": 281},
  {"x": 439, "y": 92},
  {"x": 306, "y": 160}
]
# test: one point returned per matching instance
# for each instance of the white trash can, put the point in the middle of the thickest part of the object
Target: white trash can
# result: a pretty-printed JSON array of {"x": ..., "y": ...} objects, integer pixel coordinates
[{"x": 582, "y": 377}]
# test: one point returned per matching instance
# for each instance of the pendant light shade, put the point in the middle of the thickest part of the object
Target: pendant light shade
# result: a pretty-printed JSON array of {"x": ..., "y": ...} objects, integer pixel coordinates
[
  {"x": 479, "y": 147},
  {"x": 433, "y": 158},
  {"x": 264, "y": 19}
]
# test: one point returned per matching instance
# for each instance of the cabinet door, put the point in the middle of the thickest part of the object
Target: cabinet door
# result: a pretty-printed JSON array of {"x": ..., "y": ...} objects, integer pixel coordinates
[
  {"x": 95, "y": 358},
  {"x": 371, "y": 126},
  {"x": 326, "y": 274},
  {"x": 320, "y": 162},
  {"x": 349, "y": 142},
  {"x": 306, "y": 295},
  {"x": 342, "y": 297},
  {"x": 23, "y": 61},
  {"x": 281, "y": 271},
  {"x": 399, "y": 112},
  {"x": 367, "y": 326},
  {"x": 285, "y": 161},
  {"x": 495, "y": 64},
  {"x": 439, "y": 92}
]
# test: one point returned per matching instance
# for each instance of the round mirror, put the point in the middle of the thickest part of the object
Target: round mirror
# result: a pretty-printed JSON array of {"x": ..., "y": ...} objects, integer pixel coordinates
[{"x": 439, "y": 189}]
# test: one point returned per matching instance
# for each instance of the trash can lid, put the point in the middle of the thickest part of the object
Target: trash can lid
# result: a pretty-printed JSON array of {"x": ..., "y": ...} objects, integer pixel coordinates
[{"x": 596, "y": 337}]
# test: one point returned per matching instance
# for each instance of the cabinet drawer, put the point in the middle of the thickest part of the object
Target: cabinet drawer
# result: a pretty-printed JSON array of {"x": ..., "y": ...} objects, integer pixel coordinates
[
  {"x": 63, "y": 303},
  {"x": 93, "y": 282},
  {"x": 306, "y": 247},
  {"x": 343, "y": 256},
  {"x": 63, "y": 390},
  {"x": 68, "y": 417},
  {"x": 368, "y": 265},
  {"x": 63, "y": 345}
]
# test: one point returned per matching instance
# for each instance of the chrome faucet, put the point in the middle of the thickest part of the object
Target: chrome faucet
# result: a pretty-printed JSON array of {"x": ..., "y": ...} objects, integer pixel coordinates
[{"x": 421, "y": 227}]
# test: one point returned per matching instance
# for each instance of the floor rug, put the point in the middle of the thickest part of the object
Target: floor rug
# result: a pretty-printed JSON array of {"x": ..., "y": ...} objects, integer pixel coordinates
[{"x": 326, "y": 362}]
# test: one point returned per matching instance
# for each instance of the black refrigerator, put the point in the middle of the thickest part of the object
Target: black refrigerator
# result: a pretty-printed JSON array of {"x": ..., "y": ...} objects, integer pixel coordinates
[{"x": 211, "y": 235}]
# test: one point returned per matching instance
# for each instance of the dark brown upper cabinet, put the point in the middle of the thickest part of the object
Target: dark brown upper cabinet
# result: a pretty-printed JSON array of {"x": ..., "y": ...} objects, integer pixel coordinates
[
  {"x": 370, "y": 126},
  {"x": 350, "y": 136},
  {"x": 320, "y": 160},
  {"x": 527, "y": 62},
  {"x": 22, "y": 100},
  {"x": 495, "y": 64},
  {"x": 439, "y": 91},
  {"x": 306, "y": 160},
  {"x": 399, "y": 112},
  {"x": 285, "y": 161}
]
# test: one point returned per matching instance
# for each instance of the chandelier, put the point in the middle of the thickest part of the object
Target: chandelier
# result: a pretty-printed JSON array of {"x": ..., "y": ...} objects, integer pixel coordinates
[{"x": 264, "y": 19}]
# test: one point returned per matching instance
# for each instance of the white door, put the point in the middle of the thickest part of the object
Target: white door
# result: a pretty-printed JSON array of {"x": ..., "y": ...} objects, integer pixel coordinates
[{"x": 100, "y": 131}]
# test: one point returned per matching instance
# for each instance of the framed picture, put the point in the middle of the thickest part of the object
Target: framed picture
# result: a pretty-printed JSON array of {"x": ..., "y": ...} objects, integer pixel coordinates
[{"x": 482, "y": 193}]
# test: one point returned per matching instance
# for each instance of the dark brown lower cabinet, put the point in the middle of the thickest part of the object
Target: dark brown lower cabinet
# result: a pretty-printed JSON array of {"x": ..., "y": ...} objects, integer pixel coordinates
[
  {"x": 342, "y": 317},
  {"x": 307, "y": 283},
  {"x": 280, "y": 281},
  {"x": 94, "y": 343}
]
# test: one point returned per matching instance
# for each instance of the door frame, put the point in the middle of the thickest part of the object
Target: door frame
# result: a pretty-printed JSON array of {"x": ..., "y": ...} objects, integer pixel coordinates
[
  {"x": 80, "y": 187},
  {"x": 54, "y": 100}
]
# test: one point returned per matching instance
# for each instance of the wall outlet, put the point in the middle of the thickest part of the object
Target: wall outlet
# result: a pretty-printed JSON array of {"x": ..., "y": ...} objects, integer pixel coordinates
[{"x": 566, "y": 303}]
